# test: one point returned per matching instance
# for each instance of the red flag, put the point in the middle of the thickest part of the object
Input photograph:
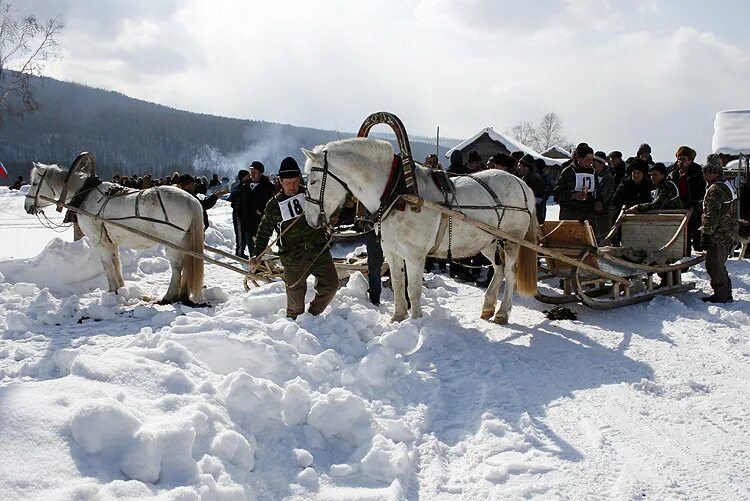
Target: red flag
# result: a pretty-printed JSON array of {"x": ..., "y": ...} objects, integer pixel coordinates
[{"x": 3, "y": 172}]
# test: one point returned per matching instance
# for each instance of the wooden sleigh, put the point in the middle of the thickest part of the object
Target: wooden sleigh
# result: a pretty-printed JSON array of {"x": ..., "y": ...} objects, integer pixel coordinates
[{"x": 651, "y": 243}]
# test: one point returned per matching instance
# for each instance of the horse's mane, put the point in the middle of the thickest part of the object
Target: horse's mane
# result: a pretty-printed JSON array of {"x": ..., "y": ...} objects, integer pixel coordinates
[{"x": 357, "y": 146}]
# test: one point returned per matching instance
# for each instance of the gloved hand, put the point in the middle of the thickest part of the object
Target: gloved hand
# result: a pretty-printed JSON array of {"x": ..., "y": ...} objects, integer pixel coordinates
[{"x": 705, "y": 241}]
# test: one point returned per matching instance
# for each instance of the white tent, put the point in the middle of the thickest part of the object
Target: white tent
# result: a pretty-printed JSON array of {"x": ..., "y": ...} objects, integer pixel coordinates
[
  {"x": 732, "y": 132},
  {"x": 511, "y": 144}
]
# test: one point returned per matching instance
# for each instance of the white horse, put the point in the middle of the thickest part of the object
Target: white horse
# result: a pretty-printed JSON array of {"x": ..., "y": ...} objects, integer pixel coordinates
[
  {"x": 167, "y": 212},
  {"x": 364, "y": 166}
]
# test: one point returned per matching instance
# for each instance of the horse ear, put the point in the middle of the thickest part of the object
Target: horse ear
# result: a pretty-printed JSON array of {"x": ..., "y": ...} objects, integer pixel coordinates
[{"x": 312, "y": 156}]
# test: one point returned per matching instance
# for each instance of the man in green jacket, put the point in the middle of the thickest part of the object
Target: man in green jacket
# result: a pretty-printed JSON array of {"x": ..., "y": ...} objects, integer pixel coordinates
[{"x": 303, "y": 250}]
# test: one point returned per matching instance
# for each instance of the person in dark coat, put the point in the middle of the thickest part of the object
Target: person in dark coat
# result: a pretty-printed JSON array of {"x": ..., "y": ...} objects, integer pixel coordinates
[
  {"x": 634, "y": 190},
  {"x": 234, "y": 199},
  {"x": 17, "y": 185},
  {"x": 575, "y": 189},
  {"x": 644, "y": 153},
  {"x": 617, "y": 166},
  {"x": 605, "y": 183},
  {"x": 527, "y": 170},
  {"x": 664, "y": 196},
  {"x": 214, "y": 181},
  {"x": 688, "y": 177},
  {"x": 457, "y": 167},
  {"x": 188, "y": 183},
  {"x": 255, "y": 193}
]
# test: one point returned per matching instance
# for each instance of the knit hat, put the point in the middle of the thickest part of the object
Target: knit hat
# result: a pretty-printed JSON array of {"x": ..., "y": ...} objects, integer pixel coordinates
[
  {"x": 644, "y": 148},
  {"x": 601, "y": 156},
  {"x": 583, "y": 149},
  {"x": 242, "y": 173},
  {"x": 474, "y": 156},
  {"x": 289, "y": 168},
  {"x": 659, "y": 167},
  {"x": 713, "y": 165},
  {"x": 528, "y": 161},
  {"x": 504, "y": 160},
  {"x": 638, "y": 164},
  {"x": 258, "y": 165},
  {"x": 685, "y": 151},
  {"x": 615, "y": 154}
]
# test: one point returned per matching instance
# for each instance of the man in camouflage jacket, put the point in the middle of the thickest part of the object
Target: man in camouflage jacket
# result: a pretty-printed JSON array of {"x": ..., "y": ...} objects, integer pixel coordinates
[
  {"x": 719, "y": 229},
  {"x": 303, "y": 250}
]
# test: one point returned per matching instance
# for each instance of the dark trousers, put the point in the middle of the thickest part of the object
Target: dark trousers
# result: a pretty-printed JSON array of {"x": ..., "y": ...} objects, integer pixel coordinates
[
  {"x": 694, "y": 228},
  {"x": 716, "y": 258},
  {"x": 296, "y": 272},
  {"x": 541, "y": 211},
  {"x": 374, "y": 266},
  {"x": 237, "y": 234},
  {"x": 247, "y": 241}
]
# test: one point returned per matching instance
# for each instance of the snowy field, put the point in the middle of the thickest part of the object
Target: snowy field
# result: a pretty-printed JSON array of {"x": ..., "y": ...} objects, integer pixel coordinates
[{"x": 107, "y": 396}]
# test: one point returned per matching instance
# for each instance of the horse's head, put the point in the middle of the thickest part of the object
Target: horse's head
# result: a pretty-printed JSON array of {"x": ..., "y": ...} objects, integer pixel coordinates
[
  {"x": 42, "y": 187},
  {"x": 322, "y": 201}
]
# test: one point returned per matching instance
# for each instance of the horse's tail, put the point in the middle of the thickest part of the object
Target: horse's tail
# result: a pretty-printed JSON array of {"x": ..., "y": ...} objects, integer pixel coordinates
[
  {"x": 526, "y": 266},
  {"x": 192, "y": 268}
]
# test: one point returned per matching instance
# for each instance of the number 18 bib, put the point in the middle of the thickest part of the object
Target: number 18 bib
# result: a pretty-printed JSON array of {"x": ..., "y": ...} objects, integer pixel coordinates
[{"x": 292, "y": 207}]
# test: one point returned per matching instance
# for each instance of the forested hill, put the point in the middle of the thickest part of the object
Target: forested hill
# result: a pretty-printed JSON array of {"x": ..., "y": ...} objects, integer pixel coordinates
[{"x": 130, "y": 136}]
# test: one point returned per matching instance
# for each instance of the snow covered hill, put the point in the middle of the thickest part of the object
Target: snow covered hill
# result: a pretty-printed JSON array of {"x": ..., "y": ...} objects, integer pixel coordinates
[{"x": 106, "y": 396}]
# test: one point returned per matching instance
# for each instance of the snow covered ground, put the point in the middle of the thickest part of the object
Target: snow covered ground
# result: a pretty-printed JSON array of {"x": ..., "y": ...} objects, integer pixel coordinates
[{"x": 107, "y": 396}]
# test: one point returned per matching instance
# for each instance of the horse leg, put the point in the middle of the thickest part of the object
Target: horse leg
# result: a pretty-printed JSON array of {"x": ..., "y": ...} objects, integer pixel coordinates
[
  {"x": 415, "y": 270},
  {"x": 174, "y": 292},
  {"x": 490, "y": 297},
  {"x": 396, "y": 265},
  {"x": 109, "y": 255},
  {"x": 511, "y": 256}
]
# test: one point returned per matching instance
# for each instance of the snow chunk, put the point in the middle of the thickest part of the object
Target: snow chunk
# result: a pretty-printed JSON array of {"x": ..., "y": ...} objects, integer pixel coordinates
[
  {"x": 339, "y": 413},
  {"x": 296, "y": 403},
  {"x": 304, "y": 458},
  {"x": 233, "y": 447},
  {"x": 149, "y": 265},
  {"x": 252, "y": 398},
  {"x": 162, "y": 451},
  {"x": 385, "y": 460},
  {"x": 101, "y": 425}
]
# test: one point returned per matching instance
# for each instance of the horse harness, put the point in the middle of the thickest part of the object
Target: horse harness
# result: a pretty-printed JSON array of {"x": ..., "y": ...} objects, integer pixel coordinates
[
  {"x": 448, "y": 189},
  {"x": 397, "y": 186},
  {"x": 92, "y": 183}
]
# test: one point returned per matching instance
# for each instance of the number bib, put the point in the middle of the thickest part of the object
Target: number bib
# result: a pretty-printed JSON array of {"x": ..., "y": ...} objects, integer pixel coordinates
[
  {"x": 732, "y": 190},
  {"x": 584, "y": 180},
  {"x": 292, "y": 207}
]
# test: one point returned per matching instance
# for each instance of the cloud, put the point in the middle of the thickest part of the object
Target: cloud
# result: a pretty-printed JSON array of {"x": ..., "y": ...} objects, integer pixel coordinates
[{"x": 460, "y": 64}]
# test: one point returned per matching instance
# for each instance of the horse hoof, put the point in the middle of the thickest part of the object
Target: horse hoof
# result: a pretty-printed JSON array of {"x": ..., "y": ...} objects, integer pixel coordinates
[
  {"x": 502, "y": 320},
  {"x": 486, "y": 314},
  {"x": 398, "y": 318}
]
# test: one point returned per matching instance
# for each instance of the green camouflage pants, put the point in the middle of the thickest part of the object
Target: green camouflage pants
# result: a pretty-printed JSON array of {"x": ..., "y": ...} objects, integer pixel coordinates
[{"x": 296, "y": 272}]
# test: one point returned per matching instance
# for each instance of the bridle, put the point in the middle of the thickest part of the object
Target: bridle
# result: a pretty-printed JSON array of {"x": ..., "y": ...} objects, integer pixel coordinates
[
  {"x": 35, "y": 197},
  {"x": 320, "y": 202},
  {"x": 388, "y": 199}
]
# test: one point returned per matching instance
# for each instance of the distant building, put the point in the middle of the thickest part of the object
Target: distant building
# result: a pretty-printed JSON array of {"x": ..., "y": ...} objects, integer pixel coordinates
[
  {"x": 488, "y": 141},
  {"x": 557, "y": 152}
]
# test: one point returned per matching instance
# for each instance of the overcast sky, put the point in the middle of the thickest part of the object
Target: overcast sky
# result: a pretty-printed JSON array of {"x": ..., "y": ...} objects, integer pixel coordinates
[{"x": 618, "y": 72}]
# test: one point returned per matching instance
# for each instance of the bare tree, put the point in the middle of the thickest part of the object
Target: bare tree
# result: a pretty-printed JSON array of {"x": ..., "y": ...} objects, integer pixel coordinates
[
  {"x": 26, "y": 45},
  {"x": 524, "y": 132},
  {"x": 546, "y": 134},
  {"x": 549, "y": 132}
]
